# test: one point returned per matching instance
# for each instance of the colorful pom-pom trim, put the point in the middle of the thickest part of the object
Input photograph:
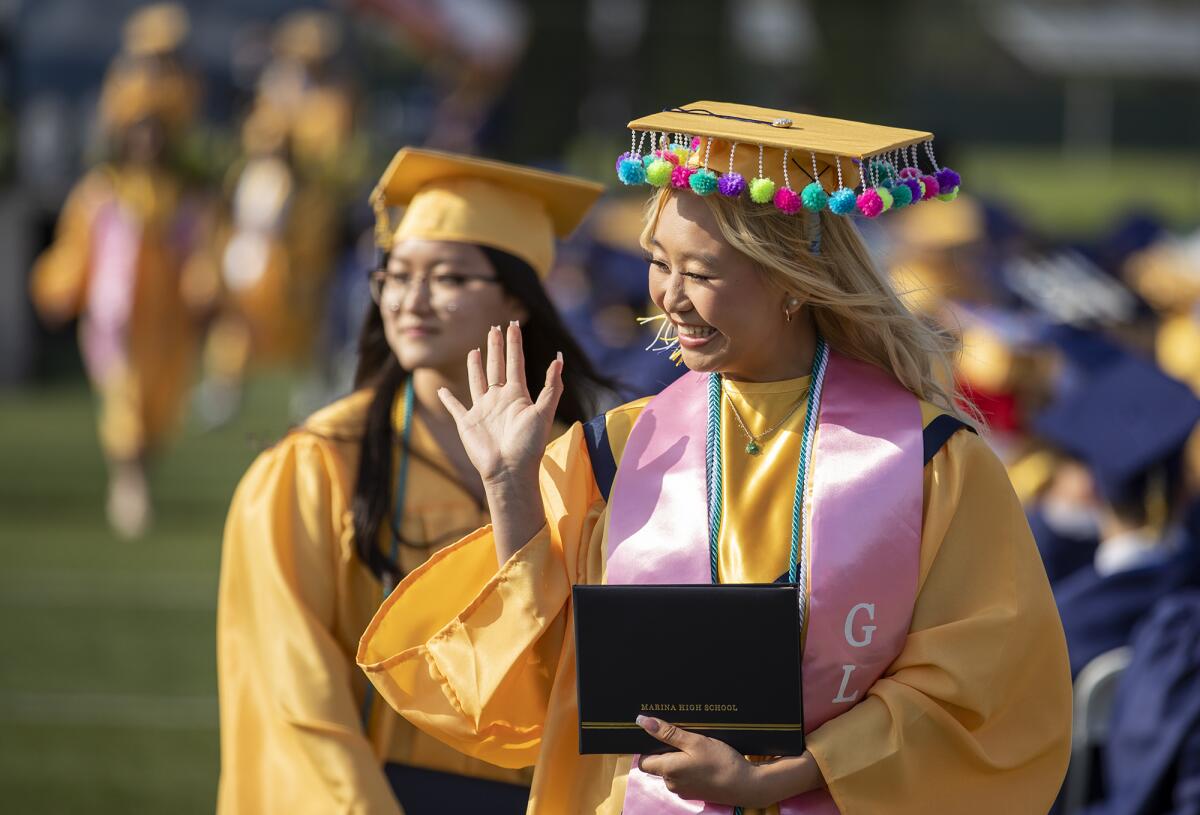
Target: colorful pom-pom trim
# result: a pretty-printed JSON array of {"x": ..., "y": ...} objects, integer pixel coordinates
[
  {"x": 731, "y": 185},
  {"x": 901, "y": 195},
  {"x": 814, "y": 197},
  {"x": 680, "y": 176},
  {"x": 843, "y": 202},
  {"x": 870, "y": 204},
  {"x": 885, "y": 195},
  {"x": 787, "y": 201},
  {"x": 762, "y": 190},
  {"x": 703, "y": 182},
  {"x": 659, "y": 172},
  {"x": 631, "y": 171},
  {"x": 931, "y": 187}
]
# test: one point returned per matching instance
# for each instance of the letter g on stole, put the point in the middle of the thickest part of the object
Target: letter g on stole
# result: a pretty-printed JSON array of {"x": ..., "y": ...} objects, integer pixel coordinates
[{"x": 868, "y": 631}]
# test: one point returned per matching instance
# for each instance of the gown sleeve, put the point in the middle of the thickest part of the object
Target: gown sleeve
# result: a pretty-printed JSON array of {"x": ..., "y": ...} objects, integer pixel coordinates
[
  {"x": 468, "y": 653},
  {"x": 59, "y": 277},
  {"x": 291, "y": 735},
  {"x": 974, "y": 714}
]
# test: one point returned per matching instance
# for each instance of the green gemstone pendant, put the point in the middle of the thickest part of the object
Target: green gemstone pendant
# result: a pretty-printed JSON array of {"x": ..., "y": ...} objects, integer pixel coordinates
[{"x": 752, "y": 448}]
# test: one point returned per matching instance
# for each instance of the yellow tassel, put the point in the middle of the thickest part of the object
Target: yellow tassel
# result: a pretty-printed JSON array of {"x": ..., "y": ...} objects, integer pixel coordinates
[{"x": 383, "y": 226}]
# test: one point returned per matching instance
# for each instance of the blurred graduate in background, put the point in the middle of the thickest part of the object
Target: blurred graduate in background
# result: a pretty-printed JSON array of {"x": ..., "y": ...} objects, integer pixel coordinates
[
  {"x": 278, "y": 241},
  {"x": 119, "y": 255},
  {"x": 329, "y": 519},
  {"x": 1128, "y": 424}
]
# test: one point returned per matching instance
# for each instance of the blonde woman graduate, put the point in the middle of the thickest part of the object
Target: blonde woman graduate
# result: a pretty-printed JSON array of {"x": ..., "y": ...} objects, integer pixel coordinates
[
  {"x": 810, "y": 440},
  {"x": 369, "y": 487}
]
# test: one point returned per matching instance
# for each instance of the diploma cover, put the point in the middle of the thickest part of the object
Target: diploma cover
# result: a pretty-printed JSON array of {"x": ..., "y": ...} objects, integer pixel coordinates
[{"x": 722, "y": 661}]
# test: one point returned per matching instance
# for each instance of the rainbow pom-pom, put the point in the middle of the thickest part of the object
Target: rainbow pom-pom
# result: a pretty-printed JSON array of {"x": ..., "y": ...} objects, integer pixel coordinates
[
  {"x": 870, "y": 204},
  {"x": 843, "y": 202},
  {"x": 681, "y": 153},
  {"x": 631, "y": 171},
  {"x": 680, "y": 176},
  {"x": 947, "y": 179},
  {"x": 623, "y": 157},
  {"x": 659, "y": 172},
  {"x": 731, "y": 184},
  {"x": 787, "y": 201},
  {"x": 649, "y": 159},
  {"x": 948, "y": 196},
  {"x": 762, "y": 190},
  {"x": 667, "y": 155},
  {"x": 901, "y": 195},
  {"x": 910, "y": 172},
  {"x": 814, "y": 197},
  {"x": 703, "y": 182},
  {"x": 885, "y": 195},
  {"x": 695, "y": 143}
]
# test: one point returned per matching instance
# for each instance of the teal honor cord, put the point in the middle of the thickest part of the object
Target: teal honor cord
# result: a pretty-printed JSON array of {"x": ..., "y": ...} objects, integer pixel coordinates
[{"x": 714, "y": 481}]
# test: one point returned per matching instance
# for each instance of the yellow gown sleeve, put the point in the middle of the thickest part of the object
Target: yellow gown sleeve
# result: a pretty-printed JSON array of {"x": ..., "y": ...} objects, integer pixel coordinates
[
  {"x": 291, "y": 736},
  {"x": 60, "y": 274},
  {"x": 481, "y": 683},
  {"x": 974, "y": 714}
]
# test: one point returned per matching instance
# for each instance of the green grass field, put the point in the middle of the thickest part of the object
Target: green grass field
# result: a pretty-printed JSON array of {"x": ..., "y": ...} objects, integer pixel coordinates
[{"x": 108, "y": 683}]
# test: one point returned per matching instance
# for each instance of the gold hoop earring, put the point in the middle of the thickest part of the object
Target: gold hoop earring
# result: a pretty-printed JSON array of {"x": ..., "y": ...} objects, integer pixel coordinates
[{"x": 787, "y": 315}]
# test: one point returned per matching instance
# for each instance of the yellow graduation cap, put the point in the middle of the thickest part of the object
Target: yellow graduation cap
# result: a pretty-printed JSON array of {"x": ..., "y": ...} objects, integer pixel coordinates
[
  {"x": 449, "y": 197},
  {"x": 155, "y": 29},
  {"x": 792, "y": 160},
  {"x": 308, "y": 36}
]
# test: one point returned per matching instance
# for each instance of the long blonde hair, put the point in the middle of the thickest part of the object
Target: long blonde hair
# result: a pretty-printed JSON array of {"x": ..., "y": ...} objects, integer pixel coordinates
[{"x": 852, "y": 304}]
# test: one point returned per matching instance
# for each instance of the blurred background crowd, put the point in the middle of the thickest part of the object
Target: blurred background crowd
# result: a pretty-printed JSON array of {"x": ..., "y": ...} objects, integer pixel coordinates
[{"x": 241, "y": 140}]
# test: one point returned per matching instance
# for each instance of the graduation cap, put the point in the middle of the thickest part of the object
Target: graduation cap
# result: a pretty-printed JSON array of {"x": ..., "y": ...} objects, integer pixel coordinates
[
  {"x": 515, "y": 209},
  {"x": 794, "y": 161},
  {"x": 156, "y": 29},
  {"x": 1123, "y": 422}
]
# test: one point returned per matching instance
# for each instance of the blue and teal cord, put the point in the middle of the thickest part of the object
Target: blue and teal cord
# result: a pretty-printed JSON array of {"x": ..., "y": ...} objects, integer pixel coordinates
[
  {"x": 397, "y": 512},
  {"x": 797, "y": 563},
  {"x": 714, "y": 475}
]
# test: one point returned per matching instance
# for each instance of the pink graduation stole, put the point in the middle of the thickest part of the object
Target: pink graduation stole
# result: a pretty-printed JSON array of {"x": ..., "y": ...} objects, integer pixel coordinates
[
  {"x": 116, "y": 243},
  {"x": 865, "y": 539}
]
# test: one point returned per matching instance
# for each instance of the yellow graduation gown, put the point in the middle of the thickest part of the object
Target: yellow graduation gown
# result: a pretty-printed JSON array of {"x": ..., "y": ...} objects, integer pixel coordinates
[
  {"x": 294, "y": 599},
  {"x": 974, "y": 714},
  {"x": 141, "y": 397}
]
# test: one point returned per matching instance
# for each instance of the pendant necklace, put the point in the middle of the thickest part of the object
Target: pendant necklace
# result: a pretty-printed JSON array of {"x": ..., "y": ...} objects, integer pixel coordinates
[
  {"x": 714, "y": 478},
  {"x": 753, "y": 446}
]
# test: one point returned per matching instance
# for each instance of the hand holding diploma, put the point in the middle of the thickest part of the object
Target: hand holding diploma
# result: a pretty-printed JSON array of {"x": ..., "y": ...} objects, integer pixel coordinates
[{"x": 705, "y": 769}]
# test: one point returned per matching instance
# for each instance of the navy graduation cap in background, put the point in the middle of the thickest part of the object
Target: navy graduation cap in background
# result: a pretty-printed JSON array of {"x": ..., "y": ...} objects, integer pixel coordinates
[{"x": 1123, "y": 420}]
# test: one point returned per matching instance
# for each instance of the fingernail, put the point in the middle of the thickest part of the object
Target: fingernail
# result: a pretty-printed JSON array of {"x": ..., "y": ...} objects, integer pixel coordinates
[
  {"x": 512, "y": 322},
  {"x": 558, "y": 356},
  {"x": 648, "y": 723}
]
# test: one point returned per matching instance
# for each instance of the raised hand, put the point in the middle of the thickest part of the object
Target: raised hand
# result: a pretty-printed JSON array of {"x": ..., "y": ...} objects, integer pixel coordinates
[{"x": 505, "y": 432}]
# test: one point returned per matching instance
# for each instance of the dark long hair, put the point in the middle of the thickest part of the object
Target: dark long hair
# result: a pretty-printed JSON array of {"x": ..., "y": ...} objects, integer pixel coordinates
[{"x": 543, "y": 335}]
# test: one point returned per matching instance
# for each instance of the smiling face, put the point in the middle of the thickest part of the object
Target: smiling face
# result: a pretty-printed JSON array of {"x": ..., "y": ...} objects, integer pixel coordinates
[
  {"x": 729, "y": 316},
  {"x": 437, "y": 300}
]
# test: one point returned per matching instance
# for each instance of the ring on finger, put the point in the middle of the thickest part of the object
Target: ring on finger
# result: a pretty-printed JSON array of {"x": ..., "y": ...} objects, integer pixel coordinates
[{"x": 494, "y": 385}]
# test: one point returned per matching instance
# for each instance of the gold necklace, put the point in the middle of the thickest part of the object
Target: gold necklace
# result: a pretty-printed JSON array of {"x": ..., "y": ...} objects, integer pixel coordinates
[{"x": 752, "y": 446}]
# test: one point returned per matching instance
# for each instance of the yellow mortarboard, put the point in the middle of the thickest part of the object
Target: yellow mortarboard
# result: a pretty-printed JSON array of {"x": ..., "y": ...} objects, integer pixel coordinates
[
  {"x": 155, "y": 29},
  {"x": 515, "y": 209},
  {"x": 731, "y": 150},
  {"x": 308, "y": 35},
  {"x": 922, "y": 229}
]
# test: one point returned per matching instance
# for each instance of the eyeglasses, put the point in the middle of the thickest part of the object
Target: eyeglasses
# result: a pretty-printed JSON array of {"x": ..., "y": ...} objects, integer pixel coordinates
[{"x": 444, "y": 287}]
